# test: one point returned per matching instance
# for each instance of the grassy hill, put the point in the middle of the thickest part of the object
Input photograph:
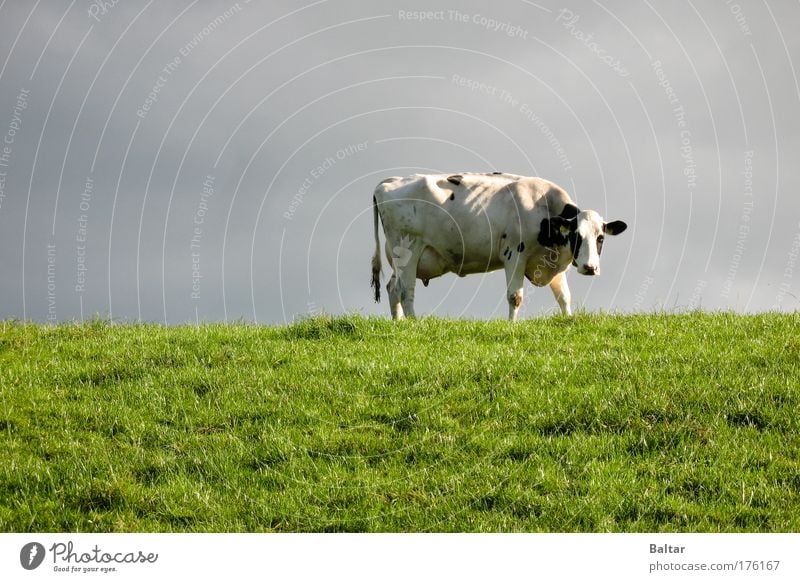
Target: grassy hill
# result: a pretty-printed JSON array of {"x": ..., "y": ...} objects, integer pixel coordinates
[{"x": 597, "y": 423}]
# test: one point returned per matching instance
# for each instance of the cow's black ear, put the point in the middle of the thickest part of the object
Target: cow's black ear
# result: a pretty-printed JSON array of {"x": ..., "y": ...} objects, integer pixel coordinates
[
  {"x": 570, "y": 211},
  {"x": 614, "y": 227},
  {"x": 554, "y": 231}
]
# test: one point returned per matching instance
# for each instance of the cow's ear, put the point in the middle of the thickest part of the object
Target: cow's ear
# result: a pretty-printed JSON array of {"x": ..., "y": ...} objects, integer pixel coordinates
[
  {"x": 570, "y": 211},
  {"x": 554, "y": 231},
  {"x": 614, "y": 227}
]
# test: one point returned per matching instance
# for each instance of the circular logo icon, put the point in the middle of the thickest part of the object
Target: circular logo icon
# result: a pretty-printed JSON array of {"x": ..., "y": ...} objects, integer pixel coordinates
[{"x": 31, "y": 555}]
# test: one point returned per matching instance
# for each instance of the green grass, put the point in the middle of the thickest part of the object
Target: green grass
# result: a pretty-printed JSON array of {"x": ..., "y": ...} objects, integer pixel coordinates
[{"x": 597, "y": 423}]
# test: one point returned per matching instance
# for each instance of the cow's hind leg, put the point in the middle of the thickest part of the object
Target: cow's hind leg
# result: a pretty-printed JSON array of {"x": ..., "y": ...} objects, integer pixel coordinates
[
  {"x": 404, "y": 255},
  {"x": 561, "y": 292},
  {"x": 392, "y": 287},
  {"x": 406, "y": 272}
]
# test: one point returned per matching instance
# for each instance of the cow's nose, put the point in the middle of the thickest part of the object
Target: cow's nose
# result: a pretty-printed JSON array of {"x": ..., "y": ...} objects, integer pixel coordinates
[{"x": 589, "y": 270}]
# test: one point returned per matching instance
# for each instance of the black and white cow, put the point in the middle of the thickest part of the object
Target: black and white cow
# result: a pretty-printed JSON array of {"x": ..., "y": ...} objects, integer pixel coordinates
[{"x": 476, "y": 223}]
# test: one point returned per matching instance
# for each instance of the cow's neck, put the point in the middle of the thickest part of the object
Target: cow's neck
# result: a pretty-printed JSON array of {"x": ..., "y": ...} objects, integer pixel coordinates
[{"x": 546, "y": 263}]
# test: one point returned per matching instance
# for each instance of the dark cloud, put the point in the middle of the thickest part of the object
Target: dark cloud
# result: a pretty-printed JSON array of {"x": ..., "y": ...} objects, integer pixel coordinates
[{"x": 231, "y": 149}]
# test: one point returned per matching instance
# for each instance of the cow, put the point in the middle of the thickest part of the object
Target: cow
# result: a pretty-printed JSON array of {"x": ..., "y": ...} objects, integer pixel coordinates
[{"x": 476, "y": 223}]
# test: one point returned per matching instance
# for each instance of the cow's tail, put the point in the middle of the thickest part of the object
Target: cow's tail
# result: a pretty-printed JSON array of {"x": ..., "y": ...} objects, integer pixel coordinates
[{"x": 376, "y": 258}]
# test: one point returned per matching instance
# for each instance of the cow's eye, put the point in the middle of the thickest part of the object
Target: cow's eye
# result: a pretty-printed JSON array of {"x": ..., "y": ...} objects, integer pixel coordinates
[{"x": 600, "y": 239}]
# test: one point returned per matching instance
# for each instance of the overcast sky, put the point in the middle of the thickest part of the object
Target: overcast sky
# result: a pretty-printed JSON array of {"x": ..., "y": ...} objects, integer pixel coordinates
[{"x": 203, "y": 161}]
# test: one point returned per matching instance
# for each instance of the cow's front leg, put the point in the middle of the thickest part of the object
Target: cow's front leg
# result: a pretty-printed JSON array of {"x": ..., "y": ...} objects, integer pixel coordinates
[
  {"x": 515, "y": 279},
  {"x": 561, "y": 292}
]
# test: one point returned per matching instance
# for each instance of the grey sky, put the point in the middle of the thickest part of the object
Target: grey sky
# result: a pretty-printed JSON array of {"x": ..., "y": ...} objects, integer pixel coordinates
[{"x": 230, "y": 149}]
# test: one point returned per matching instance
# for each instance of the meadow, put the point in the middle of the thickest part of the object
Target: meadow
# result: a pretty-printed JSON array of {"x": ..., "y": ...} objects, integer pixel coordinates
[{"x": 649, "y": 422}]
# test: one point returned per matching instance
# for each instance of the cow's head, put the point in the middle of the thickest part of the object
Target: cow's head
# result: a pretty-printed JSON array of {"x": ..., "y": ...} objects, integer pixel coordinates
[{"x": 583, "y": 232}]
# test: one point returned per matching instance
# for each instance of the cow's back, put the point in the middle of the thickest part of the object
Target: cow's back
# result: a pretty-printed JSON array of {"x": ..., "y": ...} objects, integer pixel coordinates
[{"x": 463, "y": 218}]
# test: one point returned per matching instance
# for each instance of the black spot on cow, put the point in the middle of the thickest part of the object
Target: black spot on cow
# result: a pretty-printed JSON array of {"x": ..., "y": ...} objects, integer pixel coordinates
[
  {"x": 520, "y": 247},
  {"x": 550, "y": 231},
  {"x": 575, "y": 241},
  {"x": 570, "y": 211},
  {"x": 426, "y": 281},
  {"x": 455, "y": 179},
  {"x": 453, "y": 196},
  {"x": 496, "y": 173}
]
